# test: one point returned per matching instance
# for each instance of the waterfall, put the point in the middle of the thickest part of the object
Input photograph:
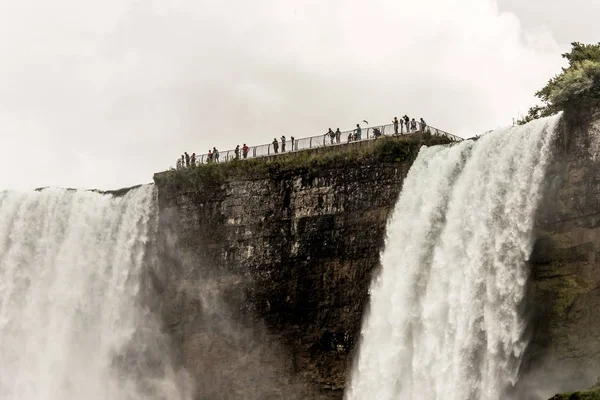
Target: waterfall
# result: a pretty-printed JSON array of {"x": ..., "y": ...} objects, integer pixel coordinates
[
  {"x": 444, "y": 320},
  {"x": 72, "y": 320}
]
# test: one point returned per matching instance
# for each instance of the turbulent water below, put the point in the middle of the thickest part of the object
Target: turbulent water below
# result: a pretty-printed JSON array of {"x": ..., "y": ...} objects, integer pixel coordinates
[
  {"x": 72, "y": 320},
  {"x": 444, "y": 320}
]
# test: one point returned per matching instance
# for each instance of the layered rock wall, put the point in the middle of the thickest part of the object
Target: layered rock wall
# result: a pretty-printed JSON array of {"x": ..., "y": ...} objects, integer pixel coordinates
[
  {"x": 272, "y": 272},
  {"x": 564, "y": 299}
]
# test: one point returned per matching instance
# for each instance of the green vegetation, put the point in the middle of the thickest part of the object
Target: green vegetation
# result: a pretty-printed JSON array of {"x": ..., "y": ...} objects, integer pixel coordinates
[
  {"x": 593, "y": 394},
  {"x": 578, "y": 85},
  {"x": 388, "y": 149}
]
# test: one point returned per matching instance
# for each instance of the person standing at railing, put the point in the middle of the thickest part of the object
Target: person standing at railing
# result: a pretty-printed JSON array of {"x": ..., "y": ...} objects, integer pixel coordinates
[
  {"x": 193, "y": 160},
  {"x": 406, "y": 123},
  {"x": 237, "y": 152},
  {"x": 187, "y": 159},
  {"x": 275, "y": 145},
  {"x": 338, "y": 136},
  {"x": 209, "y": 158},
  {"x": 283, "y": 143},
  {"x": 413, "y": 125},
  {"x": 395, "y": 121},
  {"x": 245, "y": 150},
  {"x": 331, "y": 135},
  {"x": 292, "y": 139},
  {"x": 358, "y": 132},
  {"x": 216, "y": 154},
  {"x": 423, "y": 125}
]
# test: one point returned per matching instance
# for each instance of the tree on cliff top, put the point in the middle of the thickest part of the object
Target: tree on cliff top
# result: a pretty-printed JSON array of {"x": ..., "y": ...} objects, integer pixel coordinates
[{"x": 577, "y": 85}]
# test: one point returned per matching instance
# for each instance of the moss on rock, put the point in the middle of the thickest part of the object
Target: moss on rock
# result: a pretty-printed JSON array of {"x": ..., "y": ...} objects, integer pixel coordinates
[{"x": 593, "y": 394}]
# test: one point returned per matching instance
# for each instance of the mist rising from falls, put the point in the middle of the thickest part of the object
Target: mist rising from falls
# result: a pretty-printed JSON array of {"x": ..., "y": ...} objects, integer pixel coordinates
[
  {"x": 72, "y": 322},
  {"x": 444, "y": 319}
]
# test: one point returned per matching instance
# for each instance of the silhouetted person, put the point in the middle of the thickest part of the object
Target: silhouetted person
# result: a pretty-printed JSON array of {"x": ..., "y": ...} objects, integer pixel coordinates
[
  {"x": 423, "y": 124},
  {"x": 209, "y": 158},
  {"x": 292, "y": 139},
  {"x": 395, "y": 121},
  {"x": 331, "y": 135},
  {"x": 245, "y": 150},
  {"x": 338, "y": 135},
  {"x": 193, "y": 160},
  {"x": 237, "y": 152},
  {"x": 182, "y": 161},
  {"x": 358, "y": 132},
  {"x": 401, "y": 125},
  {"x": 187, "y": 159},
  {"x": 283, "y": 143},
  {"x": 216, "y": 154},
  {"x": 407, "y": 123},
  {"x": 275, "y": 145}
]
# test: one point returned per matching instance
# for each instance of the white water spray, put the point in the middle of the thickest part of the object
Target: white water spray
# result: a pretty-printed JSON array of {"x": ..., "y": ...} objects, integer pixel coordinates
[
  {"x": 444, "y": 319},
  {"x": 72, "y": 325}
]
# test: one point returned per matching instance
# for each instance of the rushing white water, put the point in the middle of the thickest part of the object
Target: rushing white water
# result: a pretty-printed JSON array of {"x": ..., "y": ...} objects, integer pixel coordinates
[
  {"x": 444, "y": 319},
  {"x": 72, "y": 325}
]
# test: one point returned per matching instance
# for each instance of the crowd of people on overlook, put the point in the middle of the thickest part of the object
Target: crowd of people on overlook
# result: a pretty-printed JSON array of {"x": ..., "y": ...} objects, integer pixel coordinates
[{"x": 404, "y": 125}]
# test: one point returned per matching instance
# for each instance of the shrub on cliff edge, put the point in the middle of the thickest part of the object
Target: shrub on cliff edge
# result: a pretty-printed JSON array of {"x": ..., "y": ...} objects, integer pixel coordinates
[{"x": 577, "y": 86}]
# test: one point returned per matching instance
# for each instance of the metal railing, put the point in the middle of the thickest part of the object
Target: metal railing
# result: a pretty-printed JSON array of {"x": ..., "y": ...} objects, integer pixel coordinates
[{"x": 325, "y": 140}]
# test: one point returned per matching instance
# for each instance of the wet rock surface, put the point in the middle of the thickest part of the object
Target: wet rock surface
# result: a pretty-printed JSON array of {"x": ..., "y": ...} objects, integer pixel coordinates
[
  {"x": 265, "y": 280},
  {"x": 564, "y": 296}
]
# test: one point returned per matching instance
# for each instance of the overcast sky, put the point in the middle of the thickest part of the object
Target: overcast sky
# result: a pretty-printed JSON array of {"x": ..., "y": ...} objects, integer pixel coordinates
[{"x": 102, "y": 94}]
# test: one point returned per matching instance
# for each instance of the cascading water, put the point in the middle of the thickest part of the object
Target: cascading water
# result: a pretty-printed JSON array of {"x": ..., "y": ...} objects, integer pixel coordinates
[
  {"x": 444, "y": 319},
  {"x": 72, "y": 323}
]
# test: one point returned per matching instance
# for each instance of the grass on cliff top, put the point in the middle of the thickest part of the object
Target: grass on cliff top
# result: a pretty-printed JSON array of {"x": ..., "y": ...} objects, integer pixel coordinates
[
  {"x": 591, "y": 394},
  {"x": 389, "y": 149},
  {"x": 587, "y": 395}
]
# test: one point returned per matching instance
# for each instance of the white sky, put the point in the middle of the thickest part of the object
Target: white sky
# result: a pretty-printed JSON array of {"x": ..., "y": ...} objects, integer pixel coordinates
[{"x": 102, "y": 94}]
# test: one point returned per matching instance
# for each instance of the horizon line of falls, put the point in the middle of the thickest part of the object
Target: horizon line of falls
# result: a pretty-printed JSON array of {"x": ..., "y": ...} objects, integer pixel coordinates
[
  {"x": 73, "y": 324},
  {"x": 444, "y": 320}
]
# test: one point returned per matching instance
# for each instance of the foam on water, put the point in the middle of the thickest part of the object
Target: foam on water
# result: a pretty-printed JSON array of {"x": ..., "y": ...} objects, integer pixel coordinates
[{"x": 444, "y": 320}]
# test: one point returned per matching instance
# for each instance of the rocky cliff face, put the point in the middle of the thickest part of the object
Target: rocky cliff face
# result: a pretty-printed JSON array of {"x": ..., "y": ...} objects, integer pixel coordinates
[
  {"x": 564, "y": 299},
  {"x": 266, "y": 275},
  {"x": 266, "y": 271}
]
